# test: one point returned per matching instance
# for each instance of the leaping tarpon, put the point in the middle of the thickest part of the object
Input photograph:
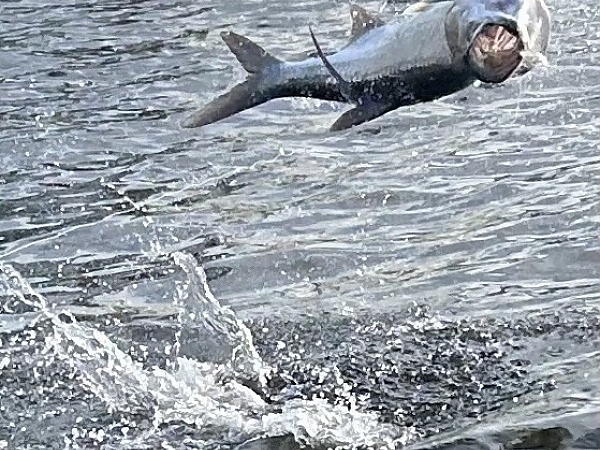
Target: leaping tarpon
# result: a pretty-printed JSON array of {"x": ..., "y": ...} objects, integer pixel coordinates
[{"x": 434, "y": 49}]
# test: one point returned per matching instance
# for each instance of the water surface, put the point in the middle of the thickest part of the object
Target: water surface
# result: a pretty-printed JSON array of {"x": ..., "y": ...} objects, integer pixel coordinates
[{"x": 429, "y": 279}]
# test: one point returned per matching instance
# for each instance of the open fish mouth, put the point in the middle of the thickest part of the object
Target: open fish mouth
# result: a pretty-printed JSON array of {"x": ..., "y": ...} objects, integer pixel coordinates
[{"x": 495, "y": 53}]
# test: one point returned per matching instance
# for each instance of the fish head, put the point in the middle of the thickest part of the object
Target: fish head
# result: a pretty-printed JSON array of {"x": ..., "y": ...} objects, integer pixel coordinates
[{"x": 498, "y": 38}]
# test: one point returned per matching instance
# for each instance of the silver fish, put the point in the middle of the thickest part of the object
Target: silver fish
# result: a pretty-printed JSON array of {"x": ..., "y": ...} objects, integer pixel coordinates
[{"x": 436, "y": 48}]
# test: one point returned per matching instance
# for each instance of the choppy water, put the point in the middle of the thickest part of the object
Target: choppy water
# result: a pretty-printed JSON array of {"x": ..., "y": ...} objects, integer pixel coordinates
[{"x": 430, "y": 279}]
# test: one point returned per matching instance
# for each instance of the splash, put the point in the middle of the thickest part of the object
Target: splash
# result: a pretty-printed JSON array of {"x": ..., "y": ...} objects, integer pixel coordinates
[
  {"x": 108, "y": 372},
  {"x": 202, "y": 394},
  {"x": 210, "y": 398},
  {"x": 199, "y": 307}
]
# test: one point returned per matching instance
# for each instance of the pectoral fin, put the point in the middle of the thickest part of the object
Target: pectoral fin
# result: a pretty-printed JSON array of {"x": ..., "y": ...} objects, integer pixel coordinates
[
  {"x": 418, "y": 7},
  {"x": 360, "y": 114}
]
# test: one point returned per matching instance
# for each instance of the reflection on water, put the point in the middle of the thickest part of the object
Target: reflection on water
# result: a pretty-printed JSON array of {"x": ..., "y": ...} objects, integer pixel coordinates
[{"x": 428, "y": 279}]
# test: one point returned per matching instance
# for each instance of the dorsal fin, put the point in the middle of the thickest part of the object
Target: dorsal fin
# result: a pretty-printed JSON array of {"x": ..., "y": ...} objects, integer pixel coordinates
[
  {"x": 362, "y": 21},
  {"x": 343, "y": 85},
  {"x": 250, "y": 55}
]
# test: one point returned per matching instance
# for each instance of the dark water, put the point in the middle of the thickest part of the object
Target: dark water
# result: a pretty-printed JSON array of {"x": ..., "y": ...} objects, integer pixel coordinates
[{"x": 430, "y": 279}]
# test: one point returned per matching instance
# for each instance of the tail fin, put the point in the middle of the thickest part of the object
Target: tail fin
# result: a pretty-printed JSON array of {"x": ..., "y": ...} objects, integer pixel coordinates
[
  {"x": 243, "y": 96},
  {"x": 252, "y": 57}
]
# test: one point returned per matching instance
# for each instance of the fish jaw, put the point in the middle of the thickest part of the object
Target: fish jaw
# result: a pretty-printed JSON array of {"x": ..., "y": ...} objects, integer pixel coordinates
[
  {"x": 499, "y": 38},
  {"x": 495, "y": 53}
]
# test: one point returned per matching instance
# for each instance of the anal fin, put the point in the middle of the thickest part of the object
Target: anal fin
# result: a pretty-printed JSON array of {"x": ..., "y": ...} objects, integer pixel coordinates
[{"x": 364, "y": 112}]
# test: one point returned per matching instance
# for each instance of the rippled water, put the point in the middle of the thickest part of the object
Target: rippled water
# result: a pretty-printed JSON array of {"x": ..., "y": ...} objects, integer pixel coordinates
[{"x": 429, "y": 279}]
